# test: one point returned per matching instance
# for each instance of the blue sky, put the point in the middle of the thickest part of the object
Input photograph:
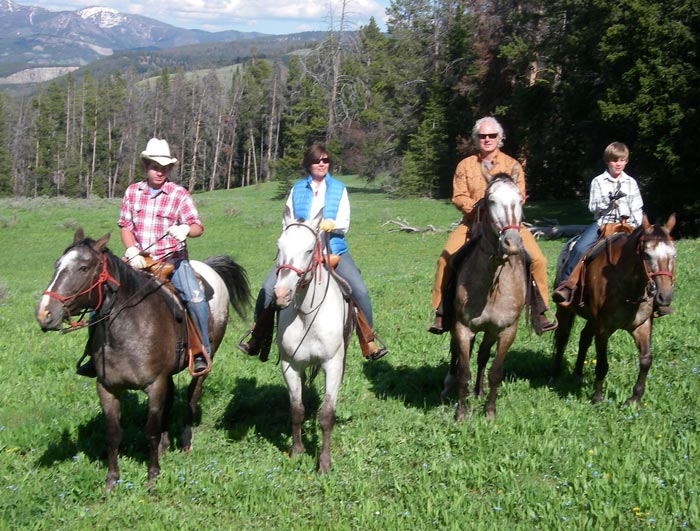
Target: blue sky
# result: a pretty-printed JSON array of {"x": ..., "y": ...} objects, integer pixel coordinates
[{"x": 264, "y": 16}]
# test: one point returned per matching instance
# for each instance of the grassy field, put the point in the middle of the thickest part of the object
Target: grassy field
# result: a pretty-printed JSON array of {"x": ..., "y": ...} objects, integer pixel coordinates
[{"x": 550, "y": 460}]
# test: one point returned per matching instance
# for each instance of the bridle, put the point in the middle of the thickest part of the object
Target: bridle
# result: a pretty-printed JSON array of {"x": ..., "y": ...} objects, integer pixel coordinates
[
  {"x": 314, "y": 265},
  {"x": 500, "y": 229},
  {"x": 651, "y": 288},
  {"x": 653, "y": 274},
  {"x": 103, "y": 277}
]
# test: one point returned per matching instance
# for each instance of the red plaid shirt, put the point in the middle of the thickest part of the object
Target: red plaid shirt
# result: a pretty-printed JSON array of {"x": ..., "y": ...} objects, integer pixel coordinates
[{"x": 148, "y": 218}]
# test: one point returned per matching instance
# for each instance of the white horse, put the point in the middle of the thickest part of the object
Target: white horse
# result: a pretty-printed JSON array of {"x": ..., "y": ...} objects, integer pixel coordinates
[{"x": 313, "y": 326}]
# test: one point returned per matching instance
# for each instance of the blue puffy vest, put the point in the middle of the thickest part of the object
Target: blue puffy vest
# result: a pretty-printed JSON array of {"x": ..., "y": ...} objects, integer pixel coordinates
[{"x": 301, "y": 202}]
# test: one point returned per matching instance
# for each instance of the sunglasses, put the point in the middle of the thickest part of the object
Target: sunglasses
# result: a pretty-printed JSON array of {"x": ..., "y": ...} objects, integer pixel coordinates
[
  {"x": 488, "y": 135},
  {"x": 322, "y": 160}
]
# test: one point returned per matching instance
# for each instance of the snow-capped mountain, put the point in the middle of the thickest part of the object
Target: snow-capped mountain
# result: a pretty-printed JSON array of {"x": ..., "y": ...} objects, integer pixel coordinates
[{"x": 34, "y": 36}]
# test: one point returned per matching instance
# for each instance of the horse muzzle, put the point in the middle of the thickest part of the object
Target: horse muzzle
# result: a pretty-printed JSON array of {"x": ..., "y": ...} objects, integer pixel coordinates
[
  {"x": 510, "y": 243},
  {"x": 48, "y": 315},
  {"x": 283, "y": 296}
]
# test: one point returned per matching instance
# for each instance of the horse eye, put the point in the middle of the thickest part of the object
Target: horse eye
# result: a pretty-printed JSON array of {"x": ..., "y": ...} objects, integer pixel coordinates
[{"x": 83, "y": 269}]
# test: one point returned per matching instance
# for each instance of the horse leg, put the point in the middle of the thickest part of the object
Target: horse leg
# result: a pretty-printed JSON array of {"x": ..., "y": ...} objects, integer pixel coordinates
[
  {"x": 481, "y": 361},
  {"x": 461, "y": 347},
  {"x": 157, "y": 394},
  {"x": 561, "y": 338},
  {"x": 333, "y": 371},
  {"x": 601, "y": 368},
  {"x": 449, "y": 383},
  {"x": 295, "y": 386},
  {"x": 167, "y": 415},
  {"x": 584, "y": 343},
  {"x": 194, "y": 392},
  {"x": 111, "y": 409},
  {"x": 505, "y": 340},
  {"x": 642, "y": 338}
]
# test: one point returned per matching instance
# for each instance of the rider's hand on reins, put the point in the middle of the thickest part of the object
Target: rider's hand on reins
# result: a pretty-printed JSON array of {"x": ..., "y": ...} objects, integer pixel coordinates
[
  {"x": 134, "y": 258},
  {"x": 326, "y": 225},
  {"x": 179, "y": 232}
]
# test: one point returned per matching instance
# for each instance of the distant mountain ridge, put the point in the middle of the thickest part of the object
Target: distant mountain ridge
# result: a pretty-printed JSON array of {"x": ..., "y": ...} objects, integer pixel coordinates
[{"x": 32, "y": 37}]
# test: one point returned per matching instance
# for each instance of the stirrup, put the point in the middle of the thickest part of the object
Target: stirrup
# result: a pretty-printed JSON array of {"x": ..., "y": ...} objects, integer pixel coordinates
[
  {"x": 563, "y": 296},
  {"x": 244, "y": 341},
  {"x": 193, "y": 362},
  {"x": 380, "y": 352}
]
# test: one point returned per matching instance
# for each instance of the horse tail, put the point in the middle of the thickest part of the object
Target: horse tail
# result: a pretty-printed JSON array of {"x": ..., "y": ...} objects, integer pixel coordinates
[{"x": 236, "y": 280}]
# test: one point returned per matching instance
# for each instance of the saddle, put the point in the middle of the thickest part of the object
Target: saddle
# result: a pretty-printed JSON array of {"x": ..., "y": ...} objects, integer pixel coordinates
[
  {"x": 261, "y": 334},
  {"x": 162, "y": 270},
  {"x": 607, "y": 234}
]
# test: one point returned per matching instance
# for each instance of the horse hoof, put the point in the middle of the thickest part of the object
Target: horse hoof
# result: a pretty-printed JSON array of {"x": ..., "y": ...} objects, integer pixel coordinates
[{"x": 632, "y": 401}]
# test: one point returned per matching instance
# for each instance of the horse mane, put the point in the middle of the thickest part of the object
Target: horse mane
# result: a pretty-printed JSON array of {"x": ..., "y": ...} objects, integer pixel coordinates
[{"x": 129, "y": 279}]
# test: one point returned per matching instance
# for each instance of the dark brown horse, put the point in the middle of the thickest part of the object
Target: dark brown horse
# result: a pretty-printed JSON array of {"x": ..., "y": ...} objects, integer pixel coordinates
[
  {"x": 136, "y": 333},
  {"x": 490, "y": 294},
  {"x": 622, "y": 285}
]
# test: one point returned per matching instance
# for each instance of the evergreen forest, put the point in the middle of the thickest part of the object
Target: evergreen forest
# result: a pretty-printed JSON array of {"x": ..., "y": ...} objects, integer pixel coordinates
[{"x": 564, "y": 77}]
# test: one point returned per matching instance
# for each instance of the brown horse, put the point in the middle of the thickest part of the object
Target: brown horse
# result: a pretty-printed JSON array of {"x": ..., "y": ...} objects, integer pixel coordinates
[
  {"x": 621, "y": 287},
  {"x": 490, "y": 293},
  {"x": 136, "y": 333}
]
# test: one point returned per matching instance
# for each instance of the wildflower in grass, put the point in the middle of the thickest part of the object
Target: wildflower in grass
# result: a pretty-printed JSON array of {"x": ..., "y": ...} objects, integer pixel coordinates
[{"x": 496, "y": 508}]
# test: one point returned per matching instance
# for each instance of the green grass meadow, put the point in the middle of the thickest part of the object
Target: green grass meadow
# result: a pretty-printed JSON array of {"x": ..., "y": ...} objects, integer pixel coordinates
[{"x": 550, "y": 460}]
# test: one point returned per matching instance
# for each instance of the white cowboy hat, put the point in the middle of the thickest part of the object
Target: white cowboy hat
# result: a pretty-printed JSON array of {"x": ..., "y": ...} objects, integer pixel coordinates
[{"x": 158, "y": 151}]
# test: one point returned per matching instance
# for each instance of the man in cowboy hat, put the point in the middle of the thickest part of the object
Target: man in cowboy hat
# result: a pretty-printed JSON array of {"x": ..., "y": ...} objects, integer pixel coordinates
[{"x": 156, "y": 217}]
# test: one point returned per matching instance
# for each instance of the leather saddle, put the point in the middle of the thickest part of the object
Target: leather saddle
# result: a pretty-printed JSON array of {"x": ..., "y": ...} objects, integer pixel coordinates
[{"x": 162, "y": 270}]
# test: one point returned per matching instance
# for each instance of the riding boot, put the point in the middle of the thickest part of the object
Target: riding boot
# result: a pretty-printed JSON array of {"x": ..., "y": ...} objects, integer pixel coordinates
[
  {"x": 563, "y": 295},
  {"x": 436, "y": 327},
  {"x": 260, "y": 335},
  {"x": 87, "y": 369},
  {"x": 367, "y": 338}
]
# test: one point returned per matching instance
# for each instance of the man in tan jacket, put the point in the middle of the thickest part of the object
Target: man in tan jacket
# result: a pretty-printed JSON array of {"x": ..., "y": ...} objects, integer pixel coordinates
[{"x": 468, "y": 187}]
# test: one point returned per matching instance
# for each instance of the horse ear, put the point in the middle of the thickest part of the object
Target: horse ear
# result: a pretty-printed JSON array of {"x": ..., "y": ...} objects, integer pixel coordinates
[
  {"x": 515, "y": 172},
  {"x": 79, "y": 235},
  {"x": 317, "y": 219},
  {"x": 645, "y": 222},
  {"x": 485, "y": 173},
  {"x": 102, "y": 242},
  {"x": 671, "y": 222},
  {"x": 287, "y": 216}
]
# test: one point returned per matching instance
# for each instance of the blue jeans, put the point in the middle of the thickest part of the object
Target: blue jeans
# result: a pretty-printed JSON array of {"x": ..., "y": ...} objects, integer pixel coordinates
[
  {"x": 586, "y": 240},
  {"x": 346, "y": 269},
  {"x": 192, "y": 295}
]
